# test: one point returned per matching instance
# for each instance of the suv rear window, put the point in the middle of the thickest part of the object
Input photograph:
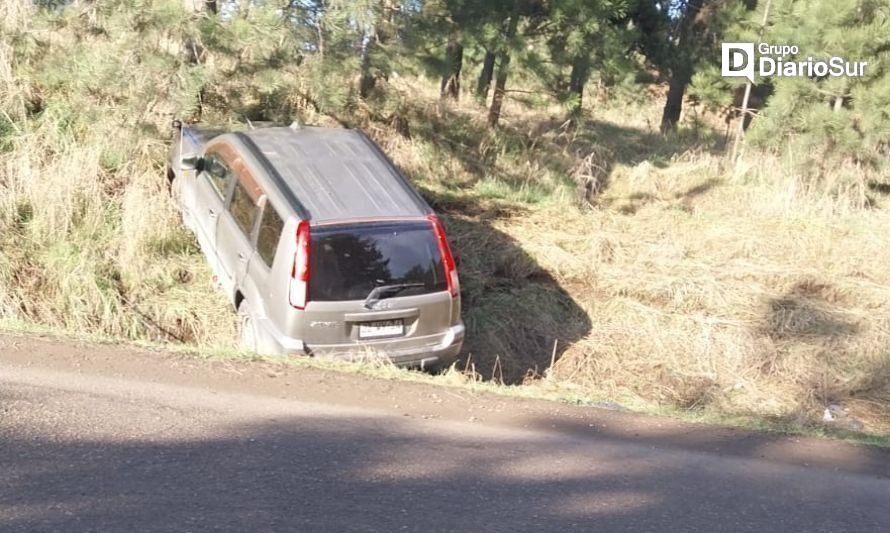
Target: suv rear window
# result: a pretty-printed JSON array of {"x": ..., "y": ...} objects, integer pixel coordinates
[{"x": 347, "y": 262}]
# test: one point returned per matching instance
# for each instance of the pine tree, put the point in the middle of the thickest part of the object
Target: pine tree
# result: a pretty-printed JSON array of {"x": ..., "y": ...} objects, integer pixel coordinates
[
  {"x": 694, "y": 36},
  {"x": 586, "y": 36},
  {"x": 844, "y": 117}
]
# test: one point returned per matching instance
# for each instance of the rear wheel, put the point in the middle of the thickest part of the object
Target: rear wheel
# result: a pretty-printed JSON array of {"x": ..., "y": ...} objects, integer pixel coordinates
[
  {"x": 246, "y": 328},
  {"x": 439, "y": 367}
]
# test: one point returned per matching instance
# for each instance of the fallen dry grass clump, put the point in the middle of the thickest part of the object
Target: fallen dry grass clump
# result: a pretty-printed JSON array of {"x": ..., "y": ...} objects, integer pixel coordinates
[{"x": 674, "y": 280}]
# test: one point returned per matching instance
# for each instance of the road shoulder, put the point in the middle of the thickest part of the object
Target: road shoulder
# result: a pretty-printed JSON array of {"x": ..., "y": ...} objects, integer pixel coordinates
[{"x": 427, "y": 401}]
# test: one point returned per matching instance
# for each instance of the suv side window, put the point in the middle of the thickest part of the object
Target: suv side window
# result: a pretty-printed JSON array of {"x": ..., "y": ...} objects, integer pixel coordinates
[
  {"x": 271, "y": 226},
  {"x": 220, "y": 174},
  {"x": 243, "y": 209}
]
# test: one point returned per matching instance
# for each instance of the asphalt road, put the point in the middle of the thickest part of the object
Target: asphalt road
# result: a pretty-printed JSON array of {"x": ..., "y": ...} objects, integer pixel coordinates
[{"x": 110, "y": 439}]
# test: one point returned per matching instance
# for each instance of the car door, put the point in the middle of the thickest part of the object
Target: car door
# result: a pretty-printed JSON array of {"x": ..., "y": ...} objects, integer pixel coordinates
[
  {"x": 235, "y": 232},
  {"x": 211, "y": 190}
]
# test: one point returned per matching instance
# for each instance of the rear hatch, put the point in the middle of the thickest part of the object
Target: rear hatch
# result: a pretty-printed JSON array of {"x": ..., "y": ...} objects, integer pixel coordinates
[{"x": 381, "y": 283}]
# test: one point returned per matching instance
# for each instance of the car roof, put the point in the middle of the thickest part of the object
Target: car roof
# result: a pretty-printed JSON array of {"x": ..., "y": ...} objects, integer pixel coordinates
[{"x": 333, "y": 174}]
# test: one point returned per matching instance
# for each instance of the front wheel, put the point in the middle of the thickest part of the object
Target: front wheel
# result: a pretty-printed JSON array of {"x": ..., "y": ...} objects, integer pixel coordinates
[
  {"x": 171, "y": 177},
  {"x": 174, "y": 187}
]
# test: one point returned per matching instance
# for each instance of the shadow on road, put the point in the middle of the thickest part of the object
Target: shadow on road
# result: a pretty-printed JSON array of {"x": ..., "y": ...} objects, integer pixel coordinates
[{"x": 354, "y": 474}]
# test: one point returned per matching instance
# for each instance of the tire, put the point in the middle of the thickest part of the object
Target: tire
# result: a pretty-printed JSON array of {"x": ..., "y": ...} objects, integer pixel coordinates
[
  {"x": 248, "y": 338},
  {"x": 437, "y": 368},
  {"x": 171, "y": 177},
  {"x": 434, "y": 369}
]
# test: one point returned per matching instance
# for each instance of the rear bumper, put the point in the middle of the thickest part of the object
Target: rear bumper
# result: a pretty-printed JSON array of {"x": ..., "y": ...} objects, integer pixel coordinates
[{"x": 434, "y": 350}]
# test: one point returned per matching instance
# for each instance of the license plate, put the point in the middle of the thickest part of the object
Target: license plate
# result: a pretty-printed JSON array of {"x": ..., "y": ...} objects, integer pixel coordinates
[{"x": 382, "y": 328}]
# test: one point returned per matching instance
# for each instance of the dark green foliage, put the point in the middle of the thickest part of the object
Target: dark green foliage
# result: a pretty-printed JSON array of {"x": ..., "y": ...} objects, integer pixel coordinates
[
  {"x": 338, "y": 57},
  {"x": 833, "y": 117},
  {"x": 824, "y": 121}
]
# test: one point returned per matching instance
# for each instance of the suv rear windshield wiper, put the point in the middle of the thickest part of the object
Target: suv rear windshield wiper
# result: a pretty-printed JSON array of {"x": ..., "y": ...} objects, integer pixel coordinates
[{"x": 385, "y": 291}]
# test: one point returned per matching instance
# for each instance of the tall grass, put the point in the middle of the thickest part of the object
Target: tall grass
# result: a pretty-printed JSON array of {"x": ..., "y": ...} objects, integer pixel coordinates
[
  {"x": 735, "y": 288},
  {"x": 741, "y": 298},
  {"x": 90, "y": 241}
]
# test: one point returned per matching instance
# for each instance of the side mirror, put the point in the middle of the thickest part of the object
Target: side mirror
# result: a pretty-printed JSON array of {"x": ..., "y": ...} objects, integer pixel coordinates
[{"x": 191, "y": 162}]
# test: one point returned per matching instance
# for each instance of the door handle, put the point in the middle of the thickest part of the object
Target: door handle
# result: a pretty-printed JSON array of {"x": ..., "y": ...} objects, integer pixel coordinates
[
  {"x": 242, "y": 256},
  {"x": 212, "y": 212}
]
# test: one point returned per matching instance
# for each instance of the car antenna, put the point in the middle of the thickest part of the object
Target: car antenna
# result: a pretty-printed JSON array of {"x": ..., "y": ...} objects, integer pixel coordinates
[
  {"x": 296, "y": 125},
  {"x": 249, "y": 123}
]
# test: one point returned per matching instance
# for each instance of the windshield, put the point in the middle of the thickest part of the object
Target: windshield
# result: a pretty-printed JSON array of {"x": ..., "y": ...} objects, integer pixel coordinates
[{"x": 348, "y": 262}]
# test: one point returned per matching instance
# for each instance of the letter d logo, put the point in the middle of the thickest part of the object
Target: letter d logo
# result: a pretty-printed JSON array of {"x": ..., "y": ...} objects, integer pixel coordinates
[{"x": 737, "y": 60}]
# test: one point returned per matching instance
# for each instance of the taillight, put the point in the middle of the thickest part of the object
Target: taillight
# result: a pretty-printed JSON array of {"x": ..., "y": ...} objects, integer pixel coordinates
[
  {"x": 447, "y": 258},
  {"x": 299, "y": 282}
]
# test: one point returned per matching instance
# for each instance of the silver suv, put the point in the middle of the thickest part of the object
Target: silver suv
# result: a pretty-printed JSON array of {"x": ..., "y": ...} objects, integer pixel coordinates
[{"x": 321, "y": 244}]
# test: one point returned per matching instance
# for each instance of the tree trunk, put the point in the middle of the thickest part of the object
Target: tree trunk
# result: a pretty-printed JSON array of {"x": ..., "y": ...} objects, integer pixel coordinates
[
  {"x": 193, "y": 6},
  {"x": 673, "y": 106},
  {"x": 485, "y": 77},
  {"x": 497, "y": 101},
  {"x": 577, "y": 80},
  {"x": 454, "y": 59},
  {"x": 744, "y": 115},
  {"x": 682, "y": 65},
  {"x": 838, "y": 103},
  {"x": 192, "y": 50},
  {"x": 366, "y": 81},
  {"x": 745, "y": 118},
  {"x": 374, "y": 43},
  {"x": 319, "y": 29}
]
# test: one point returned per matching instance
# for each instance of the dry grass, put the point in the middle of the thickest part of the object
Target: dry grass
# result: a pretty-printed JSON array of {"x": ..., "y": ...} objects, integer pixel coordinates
[
  {"x": 739, "y": 300},
  {"x": 89, "y": 240},
  {"x": 745, "y": 299},
  {"x": 743, "y": 290}
]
